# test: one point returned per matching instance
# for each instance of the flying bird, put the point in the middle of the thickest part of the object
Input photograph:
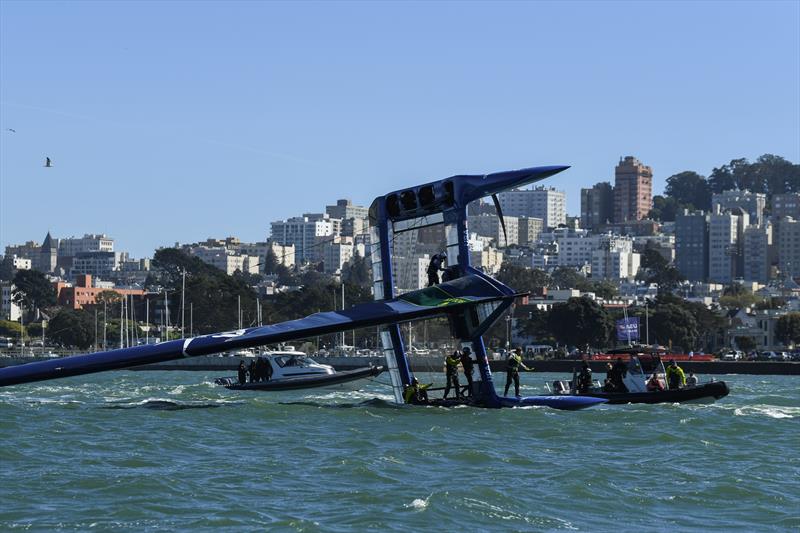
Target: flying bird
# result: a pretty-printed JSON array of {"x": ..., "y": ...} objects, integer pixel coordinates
[
  {"x": 47, "y": 162},
  {"x": 11, "y": 130}
]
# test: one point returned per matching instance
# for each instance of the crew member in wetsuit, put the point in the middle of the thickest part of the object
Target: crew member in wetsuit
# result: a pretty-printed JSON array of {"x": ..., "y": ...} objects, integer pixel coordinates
[
  {"x": 675, "y": 376},
  {"x": 608, "y": 384},
  {"x": 433, "y": 269},
  {"x": 468, "y": 364},
  {"x": 513, "y": 364},
  {"x": 691, "y": 380},
  {"x": 251, "y": 369},
  {"x": 618, "y": 373},
  {"x": 268, "y": 370},
  {"x": 242, "y": 373},
  {"x": 585, "y": 378},
  {"x": 451, "y": 372},
  {"x": 416, "y": 393}
]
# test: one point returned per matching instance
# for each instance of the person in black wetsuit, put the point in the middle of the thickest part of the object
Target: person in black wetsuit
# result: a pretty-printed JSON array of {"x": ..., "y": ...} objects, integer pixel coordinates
[
  {"x": 268, "y": 370},
  {"x": 585, "y": 378},
  {"x": 468, "y": 364},
  {"x": 513, "y": 364},
  {"x": 618, "y": 373},
  {"x": 242, "y": 373},
  {"x": 433, "y": 269},
  {"x": 451, "y": 374},
  {"x": 251, "y": 369}
]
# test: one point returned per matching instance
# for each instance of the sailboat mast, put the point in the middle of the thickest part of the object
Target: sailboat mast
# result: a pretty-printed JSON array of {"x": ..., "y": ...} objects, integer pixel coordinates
[{"x": 183, "y": 305}]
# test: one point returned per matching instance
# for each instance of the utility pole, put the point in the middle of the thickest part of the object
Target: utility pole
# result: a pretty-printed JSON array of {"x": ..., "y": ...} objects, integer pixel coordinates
[{"x": 183, "y": 305}]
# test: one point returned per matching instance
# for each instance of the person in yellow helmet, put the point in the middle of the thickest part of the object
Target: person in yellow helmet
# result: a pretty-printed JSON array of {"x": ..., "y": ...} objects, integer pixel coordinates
[
  {"x": 451, "y": 372},
  {"x": 416, "y": 393},
  {"x": 513, "y": 364},
  {"x": 675, "y": 376}
]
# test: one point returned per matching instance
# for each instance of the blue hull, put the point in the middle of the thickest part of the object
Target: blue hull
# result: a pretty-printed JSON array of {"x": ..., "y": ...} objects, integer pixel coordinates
[{"x": 569, "y": 403}]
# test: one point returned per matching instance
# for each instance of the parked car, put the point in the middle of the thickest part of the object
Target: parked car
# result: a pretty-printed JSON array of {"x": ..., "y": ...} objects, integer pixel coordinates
[
  {"x": 777, "y": 356},
  {"x": 732, "y": 355}
]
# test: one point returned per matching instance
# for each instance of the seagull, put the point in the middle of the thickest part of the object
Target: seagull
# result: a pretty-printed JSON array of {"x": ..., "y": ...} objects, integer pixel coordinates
[
  {"x": 11, "y": 130},
  {"x": 47, "y": 162}
]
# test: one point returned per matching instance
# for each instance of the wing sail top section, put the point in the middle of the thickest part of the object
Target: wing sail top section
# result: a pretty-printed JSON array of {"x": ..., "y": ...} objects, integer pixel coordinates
[{"x": 446, "y": 298}]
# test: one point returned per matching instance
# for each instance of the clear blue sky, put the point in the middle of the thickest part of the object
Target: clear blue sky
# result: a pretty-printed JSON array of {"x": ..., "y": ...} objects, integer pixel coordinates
[{"x": 179, "y": 121}]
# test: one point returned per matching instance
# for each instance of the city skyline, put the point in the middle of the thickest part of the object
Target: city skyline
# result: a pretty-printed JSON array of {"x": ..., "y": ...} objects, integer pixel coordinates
[{"x": 179, "y": 137}]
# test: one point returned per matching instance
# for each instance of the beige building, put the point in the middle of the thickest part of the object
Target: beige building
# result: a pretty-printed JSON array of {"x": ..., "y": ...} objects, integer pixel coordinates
[{"x": 633, "y": 190}]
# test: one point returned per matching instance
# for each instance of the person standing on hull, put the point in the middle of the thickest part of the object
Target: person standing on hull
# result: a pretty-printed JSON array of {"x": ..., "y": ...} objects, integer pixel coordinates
[
  {"x": 468, "y": 364},
  {"x": 251, "y": 369},
  {"x": 675, "y": 376},
  {"x": 618, "y": 373},
  {"x": 242, "y": 373},
  {"x": 434, "y": 267},
  {"x": 585, "y": 378},
  {"x": 451, "y": 372},
  {"x": 513, "y": 364}
]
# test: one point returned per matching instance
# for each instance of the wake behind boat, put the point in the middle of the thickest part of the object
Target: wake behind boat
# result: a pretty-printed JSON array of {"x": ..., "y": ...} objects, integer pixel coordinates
[
  {"x": 292, "y": 370},
  {"x": 641, "y": 380}
]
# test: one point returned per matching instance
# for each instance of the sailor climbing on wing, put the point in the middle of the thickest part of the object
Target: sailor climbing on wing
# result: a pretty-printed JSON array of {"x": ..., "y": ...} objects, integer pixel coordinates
[
  {"x": 434, "y": 267},
  {"x": 415, "y": 393},
  {"x": 451, "y": 373}
]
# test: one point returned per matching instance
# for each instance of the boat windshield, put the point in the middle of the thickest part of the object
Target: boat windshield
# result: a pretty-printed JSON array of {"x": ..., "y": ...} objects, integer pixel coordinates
[{"x": 294, "y": 360}]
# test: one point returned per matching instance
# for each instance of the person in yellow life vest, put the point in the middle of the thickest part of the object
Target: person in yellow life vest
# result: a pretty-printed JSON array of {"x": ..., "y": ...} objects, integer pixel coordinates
[
  {"x": 416, "y": 393},
  {"x": 451, "y": 372},
  {"x": 675, "y": 376},
  {"x": 513, "y": 364}
]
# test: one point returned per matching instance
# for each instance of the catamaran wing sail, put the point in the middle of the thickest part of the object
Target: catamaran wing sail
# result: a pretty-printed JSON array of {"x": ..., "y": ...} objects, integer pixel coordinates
[{"x": 447, "y": 298}]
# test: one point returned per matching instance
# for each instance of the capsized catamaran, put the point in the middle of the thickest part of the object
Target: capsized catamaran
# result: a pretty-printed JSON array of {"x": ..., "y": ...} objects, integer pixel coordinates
[{"x": 471, "y": 300}]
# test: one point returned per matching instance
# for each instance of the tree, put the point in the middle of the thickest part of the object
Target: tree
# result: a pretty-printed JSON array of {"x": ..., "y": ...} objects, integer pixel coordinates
[
  {"x": 72, "y": 327},
  {"x": 689, "y": 189},
  {"x": 605, "y": 289},
  {"x": 664, "y": 209},
  {"x": 356, "y": 271},
  {"x": 580, "y": 322},
  {"x": 569, "y": 278},
  {"x": 654, "y": 268},
  {"x": 33, "y": 290},
  {"x": 787, "y": 329},
  {"x": 746, "y": 344},
  {"x": 7, "y": 269},
  {"x": 673, "y": 324},
  {"x": 521, "y": 278},
  {"x": 10, "y": 329}
]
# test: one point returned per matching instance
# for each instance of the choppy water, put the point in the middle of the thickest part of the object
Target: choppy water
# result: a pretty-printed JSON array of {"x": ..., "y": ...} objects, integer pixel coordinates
[{"x": 145, "y": 451}]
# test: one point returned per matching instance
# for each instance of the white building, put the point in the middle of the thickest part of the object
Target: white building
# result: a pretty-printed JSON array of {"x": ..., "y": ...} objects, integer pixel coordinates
[
  {"x": 229, "y": 261},
  {"x": 8, "y": 309},
  {"x": 90, "y": 242},
  {"x": 546, "y": 203},
  {"x": 724, "y": 241},
  {"x": 284, "y": 255},
  {"x": 336, "y": 253},
  {"x": 751, "y": 203},
  {"x": 21, "y": 263},
  {"x": 304, "y": 234},
  {"x": 490, "y": 226},
  {"x": 577, "y": 250},
  {"x": 614, "y": 265}
]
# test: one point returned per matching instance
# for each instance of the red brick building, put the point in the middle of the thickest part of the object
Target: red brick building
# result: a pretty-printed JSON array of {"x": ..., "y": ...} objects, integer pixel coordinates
[{"x": 82, "y": 293}]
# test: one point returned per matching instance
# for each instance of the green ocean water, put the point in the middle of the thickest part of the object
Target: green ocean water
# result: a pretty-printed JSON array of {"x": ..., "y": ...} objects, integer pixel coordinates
[{"x": 165, "y": 451}]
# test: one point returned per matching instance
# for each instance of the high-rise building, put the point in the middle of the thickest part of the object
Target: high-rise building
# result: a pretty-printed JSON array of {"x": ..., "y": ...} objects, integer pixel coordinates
[
  {"x": 751, "y": 203},
  {"x": 725, "y": 240},
  {"x": 345, "y": 209},
  {"x": 691, "y": 244},
  {"x": 633, "y": 190},
  {"x": 756, "y": 253},
  {"x": 490, "y": 226},
  {"x": 789, "y": 247},
  {"x": 597, "y": 205},
  {"x": 546, "y": 203},
  {"x": 90, "y": 242},
  {"x": 304, "y": 233},
  {"x": 529, "y": 230},
  {"x": 786, "y": 205}
]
